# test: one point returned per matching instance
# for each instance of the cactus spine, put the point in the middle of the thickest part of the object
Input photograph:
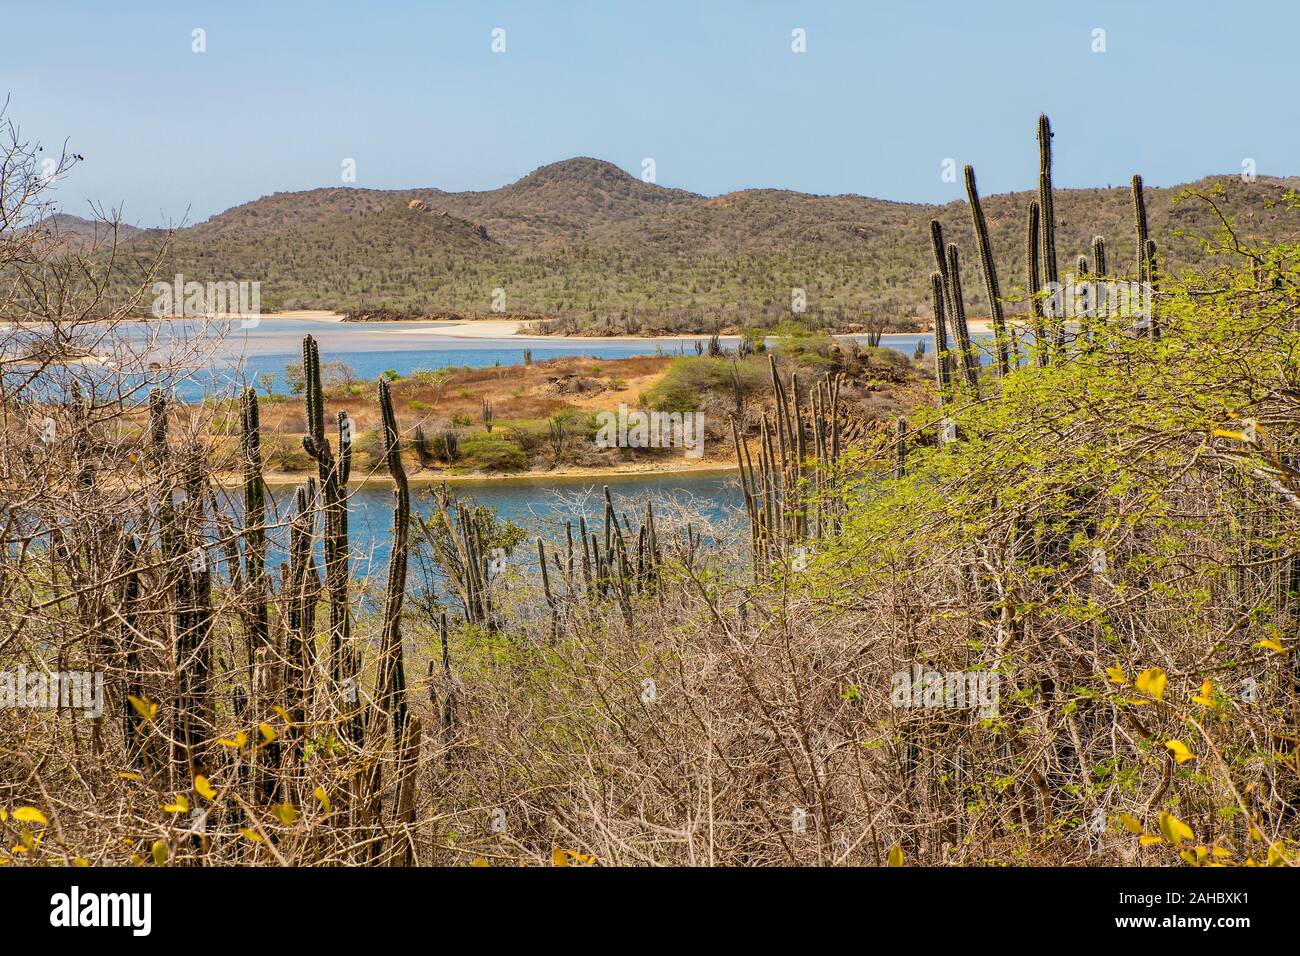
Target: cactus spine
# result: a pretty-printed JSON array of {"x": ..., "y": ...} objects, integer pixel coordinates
[{"x": 989, "y": 268}]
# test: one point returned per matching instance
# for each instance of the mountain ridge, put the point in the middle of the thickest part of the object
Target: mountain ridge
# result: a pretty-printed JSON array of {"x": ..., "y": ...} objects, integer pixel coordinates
[{"x": 584, "y": 237}]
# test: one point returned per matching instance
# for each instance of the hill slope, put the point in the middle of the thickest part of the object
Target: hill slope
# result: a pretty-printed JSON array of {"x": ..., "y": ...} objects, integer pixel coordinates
[{"x": 584, "y": 238}]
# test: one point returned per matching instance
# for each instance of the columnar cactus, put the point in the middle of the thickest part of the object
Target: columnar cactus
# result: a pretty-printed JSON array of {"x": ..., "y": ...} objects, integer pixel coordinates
[
  {"x": 1047, "y": 212},
  {"x": 941, "y": 355},
  {"x": 966, "y": 352},
  {"x": 1140, "y": 220},
  {"x": 391, "y": 677},
  {"x": 1042, "y": 352},
  {"x": 989, "y": 269},
  {"x": 333, "y": 474},
  {"x": 1098, "y": 256},
  {"x": 254, "y": 519}
]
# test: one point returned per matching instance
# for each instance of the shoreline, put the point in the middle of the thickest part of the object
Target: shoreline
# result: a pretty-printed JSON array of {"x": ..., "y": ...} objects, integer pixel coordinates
[
  {"x": 283, "y": 479},
  {"x": 470, "y": 329}
]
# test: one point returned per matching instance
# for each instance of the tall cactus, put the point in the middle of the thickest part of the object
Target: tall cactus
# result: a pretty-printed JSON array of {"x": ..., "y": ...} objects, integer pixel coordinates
[
  {"x": 941, "y": 354},
  {"x": 303, "y": 588},
  {"x": 1152, "y": 281},
  {"x": 254, "y": 519},
  {"x": 333, "y": 474},
  {"x": 989, "y": 268},
  {"x": 1042, "y": 347},
  {"x": 939, "y": 249},
  {"x": 1047, "y": 212},
  {"x": 965, "y": 351},
  {"x": 1140, "y": 221},
  {"x": 391, "y": 677},
  {"x": 1098, "y": 256}
]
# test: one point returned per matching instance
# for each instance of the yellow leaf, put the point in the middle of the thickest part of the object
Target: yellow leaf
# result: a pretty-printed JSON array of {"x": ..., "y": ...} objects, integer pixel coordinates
[
  {"x": 267, "y": 731},
  {"x": 81, "y": 861},
  {"x": 1255, "y": 835},
  {"x": 895, "y": 855},
  {"x": 284, "y": 714},
  {"x": 127, "y": 775},
  {"x": 1206, "y": 696},
  {"x": 1224, "y": 433},
  {"x": 1187, "y": 857},
  {"x": 1181, "y": 753},
  {"x": 1275, "y": 855},
  {"x": 4, "y": 814},
  {"x": 285, "y": 813},
  {"x": 479, "y": 861},
  {"x": 143, "y": 707},
  {"x": 1174, "y": 830},
  {"x": 30, "y": 815},
  {"x": 558, "y": 857},
  {"x": 1130, "y": 824},
  {"x": 323, "y": 797},
  {"x": 1271, "y": 646},
  {"x": 240, "y": 739},
  {"x": 1220, "y": 851},
  {"x": 251, "y": 835},
  {"x": 1152, "y": 682},
  {"x": 159, "y": 852},
  {"x": 1150, "y": 840},
  {"x": 1115, "y": 675},
  {"x": 182, "y": 805},
  {"x": 204, "y": 788}
]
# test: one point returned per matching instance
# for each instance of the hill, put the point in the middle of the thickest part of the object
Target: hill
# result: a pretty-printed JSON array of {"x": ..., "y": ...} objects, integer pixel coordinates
[{"x": 583, "y": 238}]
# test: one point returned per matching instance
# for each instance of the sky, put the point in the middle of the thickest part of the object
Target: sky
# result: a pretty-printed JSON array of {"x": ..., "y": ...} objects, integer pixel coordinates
[{"x": 712, "y": 90}]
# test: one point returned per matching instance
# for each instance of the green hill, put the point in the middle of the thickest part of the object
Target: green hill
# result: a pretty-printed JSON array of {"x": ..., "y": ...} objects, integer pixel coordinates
[{"x": 583, "y": 238}]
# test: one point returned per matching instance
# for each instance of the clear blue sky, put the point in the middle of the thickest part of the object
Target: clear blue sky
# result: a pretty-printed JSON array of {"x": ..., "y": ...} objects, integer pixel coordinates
[{"x": 709, "y": 88}]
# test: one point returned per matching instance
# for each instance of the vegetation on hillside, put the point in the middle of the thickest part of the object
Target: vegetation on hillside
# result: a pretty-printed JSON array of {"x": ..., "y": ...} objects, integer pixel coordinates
[{"x": 585, "y": 243}]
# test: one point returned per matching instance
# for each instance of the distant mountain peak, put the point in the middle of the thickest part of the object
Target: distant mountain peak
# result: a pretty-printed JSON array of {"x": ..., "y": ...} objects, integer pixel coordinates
[{"x": 580, "y": 169}]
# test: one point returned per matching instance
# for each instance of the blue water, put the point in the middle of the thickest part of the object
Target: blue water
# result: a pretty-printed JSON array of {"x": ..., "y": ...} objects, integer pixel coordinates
[
  {"x": 221, "y": 357},
  {"x": 540, "y": 505}
]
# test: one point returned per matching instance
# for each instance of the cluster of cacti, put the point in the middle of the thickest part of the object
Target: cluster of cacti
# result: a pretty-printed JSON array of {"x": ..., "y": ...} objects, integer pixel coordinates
[
  {"x": 789, "y": 493},
  {"x": 627, "y": 564},
  {"x": 446, "y": 446},
  {"x": 775, "y": 488},
  {"x": 282, "y": 681},
  {"x": 487, "y": 416},
  {"x": 458, "y": 533},
  {"x": 954, "y": 318}
]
